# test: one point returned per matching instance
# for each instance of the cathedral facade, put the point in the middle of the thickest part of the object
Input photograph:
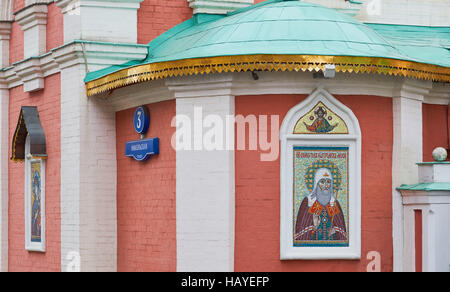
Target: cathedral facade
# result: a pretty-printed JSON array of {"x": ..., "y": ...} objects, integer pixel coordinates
[{"x": 232, "y": 135}]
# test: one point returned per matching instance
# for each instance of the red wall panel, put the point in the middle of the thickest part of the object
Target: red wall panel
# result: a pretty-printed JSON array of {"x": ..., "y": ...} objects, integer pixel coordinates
[
  {"x": 48, "y": 103},
  {"x": 258, "y": 190},
  {"x": 146, "y": 195}
]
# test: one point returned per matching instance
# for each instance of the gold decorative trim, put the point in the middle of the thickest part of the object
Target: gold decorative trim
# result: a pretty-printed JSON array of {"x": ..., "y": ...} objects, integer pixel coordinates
[
  {"x": 242, "y": 63},
  {"x": 13, "y": 150}
]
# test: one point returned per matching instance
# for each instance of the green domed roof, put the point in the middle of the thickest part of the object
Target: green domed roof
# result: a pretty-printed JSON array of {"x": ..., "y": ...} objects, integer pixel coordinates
[
  {"x": 273, "y": 27},
  {"x": 282, "y": 35}
]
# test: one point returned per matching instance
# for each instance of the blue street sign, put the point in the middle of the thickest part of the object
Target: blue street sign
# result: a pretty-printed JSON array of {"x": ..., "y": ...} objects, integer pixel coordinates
[
  {"x": 141, "y": 150},
  {"x": 141, "y": 120}
]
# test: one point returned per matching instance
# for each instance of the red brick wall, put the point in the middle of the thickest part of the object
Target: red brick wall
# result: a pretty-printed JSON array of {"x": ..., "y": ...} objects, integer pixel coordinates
[
  {"x": 435, "y": 129},
  {"x": 48, "y": 103},
  {"x": 146, "y": 195},
  {"x": 16, "y": 44},
  {"x": 19, "y": 4},
  {"x": 258, "y": 190},
  {"x": 55, "y": 31},
  {"x": 157, "y": 16}
]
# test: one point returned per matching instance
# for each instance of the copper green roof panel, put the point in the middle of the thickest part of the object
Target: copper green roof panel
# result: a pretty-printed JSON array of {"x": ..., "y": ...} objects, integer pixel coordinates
[
  {"x": 429, "y": 187},
  {"x": 429, "y": 45},
  {"x": 277, "y": 27}
]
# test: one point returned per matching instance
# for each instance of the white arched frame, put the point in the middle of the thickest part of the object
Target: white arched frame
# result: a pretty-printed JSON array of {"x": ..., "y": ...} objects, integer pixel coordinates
[{"x": 349, "y": 140}]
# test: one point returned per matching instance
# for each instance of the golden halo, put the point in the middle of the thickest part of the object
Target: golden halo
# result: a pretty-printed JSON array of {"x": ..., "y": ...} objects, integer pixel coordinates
[{"x": 318, "y": 164}]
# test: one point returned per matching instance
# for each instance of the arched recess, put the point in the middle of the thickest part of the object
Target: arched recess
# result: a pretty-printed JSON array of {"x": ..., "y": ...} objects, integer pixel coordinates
[
  {"x": 6, "y": 10},
  {"x": 320, "y": 142}
]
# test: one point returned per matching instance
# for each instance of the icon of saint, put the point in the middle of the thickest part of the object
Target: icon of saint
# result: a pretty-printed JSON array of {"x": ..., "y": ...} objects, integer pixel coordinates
[{"x": 36, "y": 208}]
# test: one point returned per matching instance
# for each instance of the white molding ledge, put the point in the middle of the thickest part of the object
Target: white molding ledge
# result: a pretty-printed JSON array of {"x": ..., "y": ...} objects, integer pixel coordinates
[
  {"x": 218, "y": 6},
  {"x": 439, "y": 94},
  {"x": 94, "y": 55},
  {"x": 32, "y": 2}
]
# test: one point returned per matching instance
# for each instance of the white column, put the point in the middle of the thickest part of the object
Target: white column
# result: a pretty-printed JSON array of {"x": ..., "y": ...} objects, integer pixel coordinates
[
  {"x": 4, "y": 157},
  {"x": 5, "y": 31},
  {"x": 33, "y": 20},
  {"x": 407, "y": 151},
  {"x": 205, "y": 181},
  {"x": 88, "y": 172}
]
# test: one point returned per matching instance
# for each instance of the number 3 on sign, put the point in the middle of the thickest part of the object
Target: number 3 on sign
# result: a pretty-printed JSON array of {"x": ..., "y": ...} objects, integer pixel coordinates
[{"x": 141, "y": 120}]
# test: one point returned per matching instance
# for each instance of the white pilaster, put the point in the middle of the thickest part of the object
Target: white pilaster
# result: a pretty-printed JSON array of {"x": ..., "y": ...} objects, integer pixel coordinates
[
  {"x": 33, "y": 20},
  {"x": 205, "y": 179},
  {"x": 218, "y": 6},
  {"x": 5, "y": 33},
  {"x": 4, "y": 132},
  {"x": 407, "y": 109},
  {"x": 88, "y": 172},
  {"x": 100, "y": 20}
]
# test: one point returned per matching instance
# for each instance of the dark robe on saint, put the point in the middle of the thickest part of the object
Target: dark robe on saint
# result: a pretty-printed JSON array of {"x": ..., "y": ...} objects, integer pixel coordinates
[{"x": 320, "y": 223}]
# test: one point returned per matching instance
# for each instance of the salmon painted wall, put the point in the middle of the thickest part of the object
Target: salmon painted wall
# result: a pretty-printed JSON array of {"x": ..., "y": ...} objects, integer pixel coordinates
[
  {"x": 435, "y": 129},
  {"x": 55, "y": 29},
  {"x": 257, "y": 246},
  {"x": 146, "y": 195},
  {"x": 19, "y": 4},
  {"x": 48, "y": 103},
  {"x": 16, "y": 44},
  {"x": 156, "y": 16}
]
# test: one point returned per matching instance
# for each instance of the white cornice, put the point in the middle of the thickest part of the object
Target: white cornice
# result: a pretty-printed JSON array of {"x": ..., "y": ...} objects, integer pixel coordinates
[
  {"x": 439, "y": 94},
  {"x": 68, "y": 5},
  {"x": 217, "y": 6},
  {"x": 92, "y": 55},
  {"x": 283, "y": 83},
  {"x": 413, "y": 89},
  {"x": 31, "y": 2},
  {"x": 31, "y": 74},
  {"x": 5, "y": 30}
]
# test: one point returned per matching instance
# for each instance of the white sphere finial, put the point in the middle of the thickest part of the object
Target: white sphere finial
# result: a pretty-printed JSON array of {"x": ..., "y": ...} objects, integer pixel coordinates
[{"x": 440, "y": 154}]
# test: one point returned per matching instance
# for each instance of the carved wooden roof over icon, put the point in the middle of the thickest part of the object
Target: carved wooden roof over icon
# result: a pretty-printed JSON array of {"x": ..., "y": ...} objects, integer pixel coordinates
[{"x": 29, "y": 124}]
